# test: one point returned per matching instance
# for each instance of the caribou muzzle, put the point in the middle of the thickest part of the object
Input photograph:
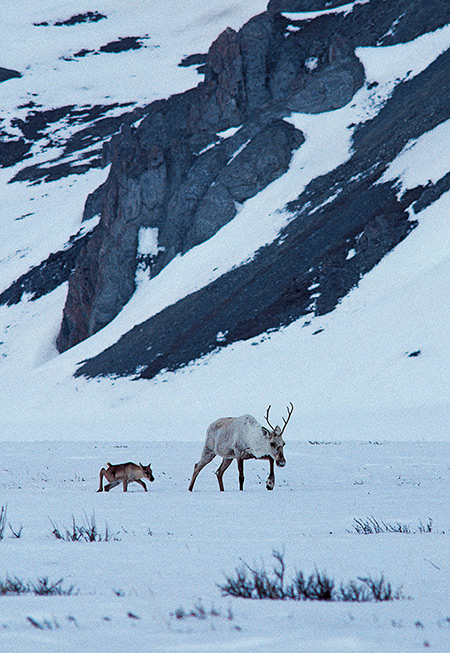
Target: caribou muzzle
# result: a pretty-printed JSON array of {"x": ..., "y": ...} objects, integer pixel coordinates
[{"x": 280, "y": 460}]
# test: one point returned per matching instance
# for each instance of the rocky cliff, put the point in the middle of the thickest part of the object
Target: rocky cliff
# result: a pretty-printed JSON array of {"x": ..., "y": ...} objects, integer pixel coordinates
[
  {"x": 178, "y": 173},
  {"x": 196, "y": 157}
]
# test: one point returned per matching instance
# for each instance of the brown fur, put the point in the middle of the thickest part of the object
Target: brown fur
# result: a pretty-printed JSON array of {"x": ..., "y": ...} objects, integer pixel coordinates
[{"x": 125, "y": 473}]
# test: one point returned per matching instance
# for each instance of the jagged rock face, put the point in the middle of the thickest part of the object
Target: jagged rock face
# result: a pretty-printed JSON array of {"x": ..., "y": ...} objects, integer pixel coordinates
[
  {"x": 164, "y": 176},
  {"x": 177, "y": 174},
  {"x": 279, "y": 284}
]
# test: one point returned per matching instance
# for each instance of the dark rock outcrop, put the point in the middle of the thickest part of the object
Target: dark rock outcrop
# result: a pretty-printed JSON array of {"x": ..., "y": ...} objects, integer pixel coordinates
[
  {"x": 343, "y": 224},
  {"x": 176, "y": 172},
  {"x": 88, "y": 17},
  {"x": 80, "y": 152},
  {"x": 13, "y": 150},
  {"x": 277, "y": 6},
  {"x": 7, "y": 73},
  {"x": 46, "y": 276},
  {"x": 195, "y": 157}
]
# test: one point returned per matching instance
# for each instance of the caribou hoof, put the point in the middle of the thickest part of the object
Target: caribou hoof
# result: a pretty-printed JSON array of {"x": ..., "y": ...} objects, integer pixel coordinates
[{"x": 269, "y": 486}]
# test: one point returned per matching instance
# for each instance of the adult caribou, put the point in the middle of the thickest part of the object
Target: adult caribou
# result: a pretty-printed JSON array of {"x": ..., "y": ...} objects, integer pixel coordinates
[{"x": 242, "y": 438}]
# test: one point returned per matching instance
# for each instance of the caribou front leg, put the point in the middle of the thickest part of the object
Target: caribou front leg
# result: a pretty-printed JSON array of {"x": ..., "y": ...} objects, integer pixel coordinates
[
  {"x": 240, "y": 463},
  {"x": 270, "y": 483}
]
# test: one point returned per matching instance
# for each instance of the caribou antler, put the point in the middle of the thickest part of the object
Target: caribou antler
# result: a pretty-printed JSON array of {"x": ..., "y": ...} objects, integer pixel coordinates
[
  {"x": 267, "y": 417},
  {"x": 290, "y": 410}
]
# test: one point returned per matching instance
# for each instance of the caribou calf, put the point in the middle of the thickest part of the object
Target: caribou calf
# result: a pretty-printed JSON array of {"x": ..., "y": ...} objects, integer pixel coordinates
[
  {"x": 125, "y": 473},
  {"x": 242, "y": 438}
]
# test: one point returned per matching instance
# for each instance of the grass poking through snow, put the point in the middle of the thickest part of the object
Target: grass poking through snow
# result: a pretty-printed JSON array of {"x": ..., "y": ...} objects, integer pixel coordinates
[
  {"x": 370, "y": 526},
  {"x": 252, "y": 583},
  {"x": 41, "y": 587},
  {"x": 87, "y": 531}
]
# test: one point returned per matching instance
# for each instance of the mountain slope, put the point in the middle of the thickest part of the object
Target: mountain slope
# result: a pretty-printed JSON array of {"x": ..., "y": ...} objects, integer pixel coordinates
[
  {"x": 370, "y": 364},
  {"x": 308, "y": 267}
]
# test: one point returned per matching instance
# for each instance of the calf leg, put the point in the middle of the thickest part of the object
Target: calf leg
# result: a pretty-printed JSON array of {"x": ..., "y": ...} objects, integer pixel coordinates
[
  {"x": 138, "y": 480},
  {"x": 240, "y": 463},
  {"x": 102, "y": 474},
  {"x": 271, "y": 478},
  {"x": 226, "y": 462},
  {"x": 206, "y": 458},
  {"x": 111, "y": 485}
]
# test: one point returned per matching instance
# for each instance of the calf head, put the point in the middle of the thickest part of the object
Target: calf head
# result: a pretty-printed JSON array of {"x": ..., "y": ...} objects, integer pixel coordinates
[
  {"x": 147, "y": 472},
  {"x": 274, "y": 435}
]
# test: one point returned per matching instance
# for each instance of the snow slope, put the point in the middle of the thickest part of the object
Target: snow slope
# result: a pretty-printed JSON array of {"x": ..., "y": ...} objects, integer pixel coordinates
[{"x": 349, "y": 373}]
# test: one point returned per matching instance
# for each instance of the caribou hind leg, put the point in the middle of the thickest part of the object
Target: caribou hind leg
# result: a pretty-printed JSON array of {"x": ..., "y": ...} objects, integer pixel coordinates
[
  {"x": 226, "y": 462},
  {"x": 207, "y": 456},
  {"x": 102, "y": 474},
  {"x": 111, "y": 485}
]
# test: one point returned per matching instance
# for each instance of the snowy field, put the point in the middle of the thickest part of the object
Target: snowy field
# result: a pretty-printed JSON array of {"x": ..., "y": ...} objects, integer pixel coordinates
[{"x": 154, "y": 588}]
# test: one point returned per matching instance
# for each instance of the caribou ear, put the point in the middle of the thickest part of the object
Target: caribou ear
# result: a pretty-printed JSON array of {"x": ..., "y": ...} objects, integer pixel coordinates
[
  {"x": 277, "y": 430},
  {"x": 265, "y": 432}
]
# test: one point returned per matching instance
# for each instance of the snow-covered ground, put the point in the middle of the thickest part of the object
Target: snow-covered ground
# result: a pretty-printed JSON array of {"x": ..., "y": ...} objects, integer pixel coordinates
[{"x": 174, "y": 547}]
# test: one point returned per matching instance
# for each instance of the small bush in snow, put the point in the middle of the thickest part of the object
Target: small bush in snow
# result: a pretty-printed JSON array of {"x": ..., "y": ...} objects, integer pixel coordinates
[
  {"x": 200, "y": 612},
  {"x": 42, "y": 587},
  {"x": 426, "y": 528},
  {"x": 380, "y": 590},
  {"x": 16, "y": 532},
  {"x": 316, "y": 587},
  {"x": 13, "y": 586},
  {"x": 86, "y": 532},
  {"x": 2, "y": 522},
  {"x": 45, "y": 624},
  {"x": 249, "y": 583},
  {"x": 371, "y": 525}
]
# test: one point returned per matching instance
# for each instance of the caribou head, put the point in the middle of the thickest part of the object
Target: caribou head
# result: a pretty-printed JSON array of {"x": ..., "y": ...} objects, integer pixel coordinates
[{"x": 275, "y": 437}]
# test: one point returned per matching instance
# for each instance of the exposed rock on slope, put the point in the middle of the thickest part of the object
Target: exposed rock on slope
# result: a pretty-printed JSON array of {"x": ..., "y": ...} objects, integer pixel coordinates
[
  {"x": 275, "y": 288},
  {"x": 7, "y": 73},
  {"x": 179, "y": 173},
  {"x": 196, "y": 156}
]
